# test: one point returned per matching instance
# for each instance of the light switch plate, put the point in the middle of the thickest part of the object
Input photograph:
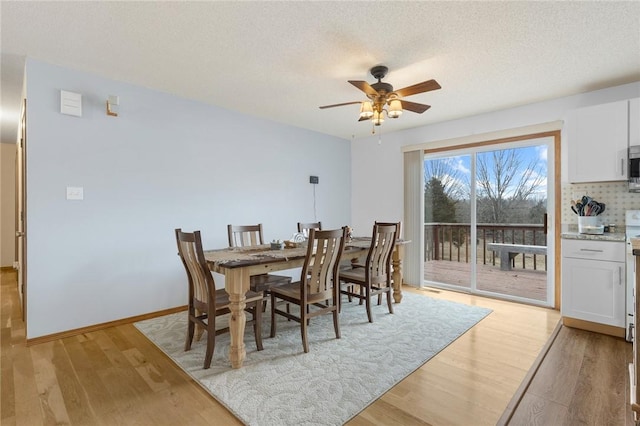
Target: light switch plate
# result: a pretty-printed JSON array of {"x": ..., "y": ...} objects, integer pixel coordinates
[{"x": 75, "y": 193}]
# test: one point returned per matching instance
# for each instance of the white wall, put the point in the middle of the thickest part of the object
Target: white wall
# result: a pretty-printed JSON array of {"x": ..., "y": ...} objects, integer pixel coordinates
[
  {"x": 7, "y": 203},
  {"x": 377, "y": 168},
  {"x": 165, "y": 162}
]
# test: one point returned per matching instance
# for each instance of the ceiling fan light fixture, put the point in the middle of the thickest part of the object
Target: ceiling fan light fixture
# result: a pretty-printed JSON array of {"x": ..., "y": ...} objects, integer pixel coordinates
[
  {"x": 395, "y": 108},
  {"x": 383, "y": 99},
  {"x": 366, "y": 110},
  {"x": 378, "y": 118}
]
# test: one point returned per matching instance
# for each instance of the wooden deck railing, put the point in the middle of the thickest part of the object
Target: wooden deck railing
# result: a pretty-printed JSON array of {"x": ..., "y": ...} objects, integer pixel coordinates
[{"x": 451, "y": 241}]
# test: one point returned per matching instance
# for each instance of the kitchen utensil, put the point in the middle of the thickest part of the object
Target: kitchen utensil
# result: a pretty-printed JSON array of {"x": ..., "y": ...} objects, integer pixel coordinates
[{"x": 587, "y": 206}]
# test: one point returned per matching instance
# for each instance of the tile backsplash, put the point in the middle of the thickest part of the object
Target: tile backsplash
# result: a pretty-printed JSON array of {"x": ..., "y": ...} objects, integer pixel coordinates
[{"x": 615, "y": 195}]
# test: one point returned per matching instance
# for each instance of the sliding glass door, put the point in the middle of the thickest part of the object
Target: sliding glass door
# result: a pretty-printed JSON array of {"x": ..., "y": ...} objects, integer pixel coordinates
[{"x": 486, "y": 213}]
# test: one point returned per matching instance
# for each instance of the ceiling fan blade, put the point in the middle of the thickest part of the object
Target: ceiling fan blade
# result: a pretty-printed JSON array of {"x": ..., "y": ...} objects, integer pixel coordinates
[
  {"x": 337, "y": 105},
  {"x": 364, "y": 118},
  {"x": 415, "y": 107},
  {"x": 425, "y": 86},
  {"x": 365, "y": 87}
]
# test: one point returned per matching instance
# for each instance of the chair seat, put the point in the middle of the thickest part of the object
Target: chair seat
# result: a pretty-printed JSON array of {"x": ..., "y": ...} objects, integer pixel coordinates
[
  {"x": 352, "y": 274},
  {"x": 357, "y": 275},
  {"x": 263, "y": 282},
  {"x": 292, "y": 291}
]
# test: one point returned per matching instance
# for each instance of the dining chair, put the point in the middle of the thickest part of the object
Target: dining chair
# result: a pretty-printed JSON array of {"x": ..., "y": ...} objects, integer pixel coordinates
[
  {"x": 245, "y": 235},
  {"x": 318, "y": 291},
  {"x": 306, "y": 227},
  {"x": 251, "y": 235},
  {"x": 374, "y": 277},
  {"x": 206, "y": 303}
]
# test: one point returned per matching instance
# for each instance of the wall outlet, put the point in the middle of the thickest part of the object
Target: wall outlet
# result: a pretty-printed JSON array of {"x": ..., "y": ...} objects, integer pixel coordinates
[{"x": 313, "y": 179}]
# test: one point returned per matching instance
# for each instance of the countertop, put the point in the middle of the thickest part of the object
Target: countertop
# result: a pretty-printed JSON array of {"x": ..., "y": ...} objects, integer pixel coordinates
[{"x": 607, "y": 236}]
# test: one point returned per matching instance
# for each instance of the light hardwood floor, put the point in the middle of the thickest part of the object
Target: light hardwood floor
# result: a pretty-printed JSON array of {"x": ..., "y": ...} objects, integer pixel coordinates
[
  {"x": 117, "y": 377},
  {"x": 583, "y": 380}
]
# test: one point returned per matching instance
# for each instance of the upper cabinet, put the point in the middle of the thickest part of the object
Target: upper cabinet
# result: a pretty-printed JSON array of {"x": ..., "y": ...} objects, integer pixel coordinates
[
  {"x": 634, "y": 121},
  {"x": 598, "y": 141}
]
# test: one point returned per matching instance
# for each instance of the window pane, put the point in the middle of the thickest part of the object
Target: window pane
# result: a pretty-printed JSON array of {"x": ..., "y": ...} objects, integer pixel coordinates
[
  {"x": 447, "y": 221},
  {"x": 511, "y": 203}
]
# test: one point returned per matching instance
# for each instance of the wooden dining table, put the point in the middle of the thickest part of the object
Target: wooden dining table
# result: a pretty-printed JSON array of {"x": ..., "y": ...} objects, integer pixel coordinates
[{"x": 238, "y": 264}]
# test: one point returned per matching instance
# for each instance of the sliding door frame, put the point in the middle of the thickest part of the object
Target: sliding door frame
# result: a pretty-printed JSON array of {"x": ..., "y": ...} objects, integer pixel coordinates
[{"x": 554, "y": 170}]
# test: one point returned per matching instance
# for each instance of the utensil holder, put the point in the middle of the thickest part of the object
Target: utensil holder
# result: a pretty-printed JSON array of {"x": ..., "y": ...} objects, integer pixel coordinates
[{"x": 590, "y": 225}]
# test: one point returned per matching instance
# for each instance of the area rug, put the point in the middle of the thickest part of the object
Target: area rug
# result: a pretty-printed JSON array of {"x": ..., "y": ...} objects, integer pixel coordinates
[{"x": 338, "y": 378}]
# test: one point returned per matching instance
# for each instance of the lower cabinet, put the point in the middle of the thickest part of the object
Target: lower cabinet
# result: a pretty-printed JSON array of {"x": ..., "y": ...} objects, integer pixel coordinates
[{"x": 593, "y": 281}]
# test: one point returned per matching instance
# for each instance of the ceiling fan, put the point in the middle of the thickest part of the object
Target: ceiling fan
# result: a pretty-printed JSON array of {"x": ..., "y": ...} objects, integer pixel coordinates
[{"x": 382, "y": 94}]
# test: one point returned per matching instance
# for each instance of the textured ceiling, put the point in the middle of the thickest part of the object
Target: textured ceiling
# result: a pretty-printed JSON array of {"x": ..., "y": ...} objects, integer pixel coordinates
[{"x": 282, "y": 60}]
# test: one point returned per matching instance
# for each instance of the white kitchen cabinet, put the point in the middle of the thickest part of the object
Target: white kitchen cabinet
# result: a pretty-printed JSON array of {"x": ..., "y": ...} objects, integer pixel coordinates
[
  {"x": 593, "y": 281},
  {"x": 598, "y": 139}
]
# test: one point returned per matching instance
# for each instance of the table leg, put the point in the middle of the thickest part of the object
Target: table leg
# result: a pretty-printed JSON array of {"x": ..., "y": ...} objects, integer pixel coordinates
[
  {"x": 396, "y": 260},
  {"x": 236, "y": 285}
]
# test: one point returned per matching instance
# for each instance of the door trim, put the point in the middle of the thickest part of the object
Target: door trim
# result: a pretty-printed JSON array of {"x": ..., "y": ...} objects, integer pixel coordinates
[{"x": 21, "y": 210}]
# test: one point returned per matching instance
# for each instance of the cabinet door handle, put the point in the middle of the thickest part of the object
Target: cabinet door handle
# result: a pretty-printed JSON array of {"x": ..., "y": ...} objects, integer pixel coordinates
[
  {"x": 593, "y": 250},
  {"x": 622, "y": 167},
  {"x": 619, "y": 275}
]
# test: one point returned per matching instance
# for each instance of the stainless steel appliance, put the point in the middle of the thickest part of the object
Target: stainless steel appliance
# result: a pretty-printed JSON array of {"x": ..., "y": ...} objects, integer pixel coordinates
[
  {"x": 632, "y": 229},
  {"x": 634, "y": 168}
]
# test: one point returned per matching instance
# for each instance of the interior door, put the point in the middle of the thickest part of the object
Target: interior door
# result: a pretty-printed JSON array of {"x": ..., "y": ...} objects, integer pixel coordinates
[{"x": 21, "y": 243}]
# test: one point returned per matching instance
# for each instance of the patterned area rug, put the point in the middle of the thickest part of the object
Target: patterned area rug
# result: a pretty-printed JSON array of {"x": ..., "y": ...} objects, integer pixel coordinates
[{"x": 338, "y": 378}]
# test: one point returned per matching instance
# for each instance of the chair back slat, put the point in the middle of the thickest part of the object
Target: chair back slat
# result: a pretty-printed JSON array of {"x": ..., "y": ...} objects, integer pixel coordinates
[
  {"x": 320, "y": 268},
  {"x": 245, "y": 235}
]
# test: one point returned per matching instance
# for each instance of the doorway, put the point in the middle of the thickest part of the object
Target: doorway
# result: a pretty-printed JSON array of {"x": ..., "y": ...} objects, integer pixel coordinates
[
  {"x": 488, "y": 208},
  {"x": 21, "y": 245}
]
